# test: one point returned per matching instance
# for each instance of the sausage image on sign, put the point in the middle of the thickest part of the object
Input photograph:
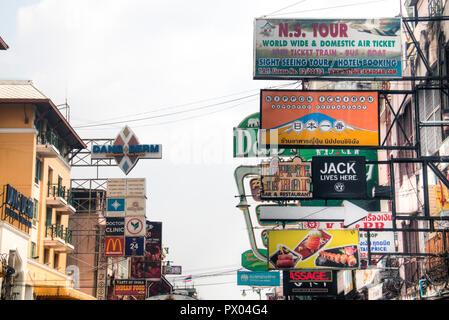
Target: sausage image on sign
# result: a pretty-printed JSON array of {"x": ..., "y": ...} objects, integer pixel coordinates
[
  {"x": 313, "y": 242},
  {"x": 284, "y": 258}
]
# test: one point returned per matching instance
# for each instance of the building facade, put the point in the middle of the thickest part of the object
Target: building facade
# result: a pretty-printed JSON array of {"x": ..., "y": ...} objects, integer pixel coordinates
[{"x": 36, "y": 142}]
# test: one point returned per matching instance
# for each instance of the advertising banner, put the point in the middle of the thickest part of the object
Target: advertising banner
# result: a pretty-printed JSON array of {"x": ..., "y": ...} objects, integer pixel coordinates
[
  {"x": 258, "y": 278},
  {"x": 372, "y": 175},
  {"x": 159, "y": 287},
  {"x": 294, "y": 119},
  {"x": 116, "y": 188},
  {"x": 307, "y": 48},
  {"x": 251, "y": 262},
  {"x": 135, "y": 206},
  {"x": 115, "y": 226},
  {"x": 171, "y": 270},
  {"x": 327, "y": 249},
  {"x": 126, "y": 287},
  {"x": 115, "y": 207},
  {"x": 134, "y": 246},
  {"x": 339, "y": 177},
  {"x": 310, "y": 282},
  {"x": 135, "y": 226},
  {"x": 149, "y": 266},
  {"x": 286, "y": 179},
  {"x": 114, "y": 246}
]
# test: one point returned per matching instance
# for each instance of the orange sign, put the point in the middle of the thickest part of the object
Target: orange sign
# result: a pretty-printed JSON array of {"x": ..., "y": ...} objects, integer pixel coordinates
[
  {"x": 292, "y": 118},
  {"x": 114, "y": 246}
]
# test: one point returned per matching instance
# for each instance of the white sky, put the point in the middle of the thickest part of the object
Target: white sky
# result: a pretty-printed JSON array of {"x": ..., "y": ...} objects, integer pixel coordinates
[{"x": 116, "y": 60}]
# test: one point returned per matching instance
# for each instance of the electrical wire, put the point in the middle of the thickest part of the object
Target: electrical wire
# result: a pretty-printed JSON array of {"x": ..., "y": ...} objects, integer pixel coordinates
[
  {"x": 178, "y": 112},
  {"x": 286, "y": 7}
]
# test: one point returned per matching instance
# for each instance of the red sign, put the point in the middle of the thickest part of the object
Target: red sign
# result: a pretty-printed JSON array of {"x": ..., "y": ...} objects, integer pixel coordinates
[
  {"x": 114, "y": 246},
  {"x": 311, "y": 275}
]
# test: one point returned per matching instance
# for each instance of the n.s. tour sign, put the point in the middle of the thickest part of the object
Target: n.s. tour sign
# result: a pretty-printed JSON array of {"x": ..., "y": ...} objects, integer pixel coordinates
[
  {"x": 307, "y": 48},
  {"x": 126, "y": 150}
]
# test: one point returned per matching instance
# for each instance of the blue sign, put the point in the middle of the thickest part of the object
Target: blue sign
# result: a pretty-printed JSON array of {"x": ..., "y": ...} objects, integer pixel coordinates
[
  {"x": 258, "y": 278},
  {"x": 134, "y": 246},
  {"x": 116, "y": 204}
]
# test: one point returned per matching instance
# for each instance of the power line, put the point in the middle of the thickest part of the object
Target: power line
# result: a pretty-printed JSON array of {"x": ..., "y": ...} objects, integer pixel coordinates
[
  {"x": 286, "y": 7},
  {"x": 178, "y": 112}
]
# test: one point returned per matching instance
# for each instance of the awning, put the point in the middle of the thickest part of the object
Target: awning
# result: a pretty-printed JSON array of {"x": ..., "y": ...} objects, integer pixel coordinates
[{"x": 60, "y": 293}]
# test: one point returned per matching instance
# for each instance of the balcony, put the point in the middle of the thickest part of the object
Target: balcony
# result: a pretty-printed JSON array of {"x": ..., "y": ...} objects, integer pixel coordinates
[
  {"x": 48, "y": 144},
  {"x": 61, "y": 199},
  {"x": 59, "y": 238}
]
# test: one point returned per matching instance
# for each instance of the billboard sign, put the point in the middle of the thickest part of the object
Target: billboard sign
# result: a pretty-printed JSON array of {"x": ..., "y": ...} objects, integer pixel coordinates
[
  {"x": 134, "y": 246},
  {"x": 312, "y": 249},
  {"x": 115, "y": 207},
  {"x": 171, "y": 270},
  {"x": 127, "y": 287},
  {"x": 126, "y": 150},
  {"x": 135, "y": 206},
  {"x": 114, "y": 246},
  {"x": 339, "y": 177},
  {"x": 294, "y": 119},
  {"x": 288, "y": 180},
  {"x": 135, "y": 226},
  {"x": 258, "y": 278},
  {"x": 115, "y": 226},
  {"x": 372, "y": 175},
  {"x": 159, "y": 287},
  {"x": 344, "y": 48},
  {"x": 310, "y": 282}
]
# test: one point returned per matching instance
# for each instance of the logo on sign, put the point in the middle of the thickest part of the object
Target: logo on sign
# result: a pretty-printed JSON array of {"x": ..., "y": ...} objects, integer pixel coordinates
[
  {"x": 115, "y": 206},
  {"x": 114, "y": 246},
  {"x": 134, "y": 227},
  {"x": 134, "y": 246},
  {"x": 126, "y": 150}
]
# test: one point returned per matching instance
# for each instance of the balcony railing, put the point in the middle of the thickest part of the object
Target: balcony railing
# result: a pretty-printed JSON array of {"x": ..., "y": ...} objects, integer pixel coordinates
[
  {"x": 56, "y": 190},
  {"x": 50, "y": 137},
  {"x": 59, "y": 231}
]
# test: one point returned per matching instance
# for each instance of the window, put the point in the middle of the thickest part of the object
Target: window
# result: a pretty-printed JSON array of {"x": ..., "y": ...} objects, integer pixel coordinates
[
  {"x": 48, "y": 217},
  {"x": 405, "y": 120},
  {"x": 56, "y": 261},
  {"x": 33, "y": 250},
  {"x": 35, "y": 211},
  {"x": 38, "y": 174},
  {"x": 46, "y": 256}
]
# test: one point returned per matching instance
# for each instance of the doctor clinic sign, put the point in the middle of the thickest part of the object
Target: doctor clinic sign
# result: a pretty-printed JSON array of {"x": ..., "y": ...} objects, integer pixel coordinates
[{"x": 339, "y": 177}]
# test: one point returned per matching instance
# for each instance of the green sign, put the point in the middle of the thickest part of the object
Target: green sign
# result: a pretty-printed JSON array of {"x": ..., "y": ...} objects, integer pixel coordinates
[
  {"x": 372, "y": 175},
  {"x": 246, "y": 141},
  {"x": 251, "y": 262}
]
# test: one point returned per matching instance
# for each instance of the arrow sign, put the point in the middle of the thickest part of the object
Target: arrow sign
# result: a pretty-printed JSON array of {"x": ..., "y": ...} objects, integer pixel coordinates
[{"x": 349, "y": 213}]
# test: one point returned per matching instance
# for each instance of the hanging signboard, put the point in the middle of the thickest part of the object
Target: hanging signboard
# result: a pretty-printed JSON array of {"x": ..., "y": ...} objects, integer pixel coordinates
[
  {"x": 339, "y": 177},
  {"x": 150, "y": 266},
  {"x": 293, "y": 118},
  {"x": 343, "y": 48},
  {"x": 287, "y": 180},
  {"x": 135, "y": 206},
  {"x": 251, "y": 262},
  {"x": 127, "y": 287},
  {"x": 258, "y": 278},
  {"x": 115, "y": 226},
  {"x": 114, "y": 246},
  {"x": 16, "y": 208},
  {"x": 331, "y": 249},
  {"x": 310, "y": 282},
  {"x": 372, "y": 175},
  {"x": 159, "y": 287},
  {"x": 134, "y": 246},
  {"x": 135, "y": 226},
  {"x": 115, "y": 207},
  {"x": 126, "y": 150},
  {"x": 171, "y": 270}
]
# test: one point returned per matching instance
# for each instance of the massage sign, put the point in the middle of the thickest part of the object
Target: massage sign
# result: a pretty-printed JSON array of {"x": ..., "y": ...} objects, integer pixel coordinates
[{"x": 339, "y": 177}]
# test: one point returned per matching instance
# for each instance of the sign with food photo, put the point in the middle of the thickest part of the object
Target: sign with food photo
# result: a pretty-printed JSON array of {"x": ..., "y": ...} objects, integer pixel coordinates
[{"x": 295, "y": 249}]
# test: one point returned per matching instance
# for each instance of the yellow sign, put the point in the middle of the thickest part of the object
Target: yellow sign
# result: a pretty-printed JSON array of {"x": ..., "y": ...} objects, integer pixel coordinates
[{"x": 296, "y": 249}]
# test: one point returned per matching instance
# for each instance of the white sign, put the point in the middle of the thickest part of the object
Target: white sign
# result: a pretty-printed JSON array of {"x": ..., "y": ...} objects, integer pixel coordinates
[
  {"x": 135, "y": 206},
  {"x": 349, "y": 213},
  {"x": 375, "y": 293},
  {"x": 135, "y": 226}
]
